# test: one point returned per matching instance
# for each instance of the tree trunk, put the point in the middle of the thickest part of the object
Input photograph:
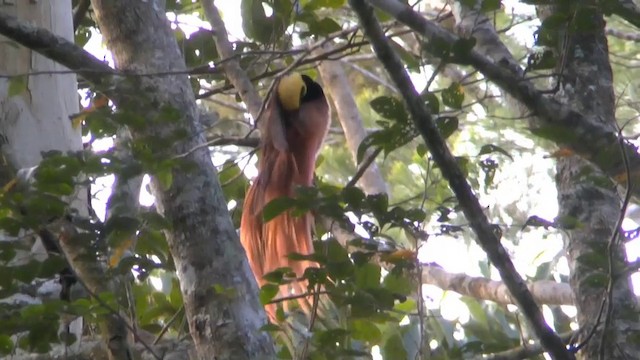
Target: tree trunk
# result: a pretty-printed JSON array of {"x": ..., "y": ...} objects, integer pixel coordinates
[
  {"x": 218, "y": 288},
  {"x": 33, "y": 120},
  {"x": 589, "y": 211}
]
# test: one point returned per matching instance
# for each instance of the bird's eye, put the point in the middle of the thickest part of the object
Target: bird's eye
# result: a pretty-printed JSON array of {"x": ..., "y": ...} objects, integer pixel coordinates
[{"x": 303, "y": 91}]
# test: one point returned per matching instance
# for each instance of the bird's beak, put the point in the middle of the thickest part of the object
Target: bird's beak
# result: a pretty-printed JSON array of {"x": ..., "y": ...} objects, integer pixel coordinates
[{"x": 290, "y": 91}]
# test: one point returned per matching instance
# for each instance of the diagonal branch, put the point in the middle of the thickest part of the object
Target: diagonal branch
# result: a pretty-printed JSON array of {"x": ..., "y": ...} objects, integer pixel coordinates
[
  {"x": 337, "y": 85},
  {"x": 439, "y": 150}
]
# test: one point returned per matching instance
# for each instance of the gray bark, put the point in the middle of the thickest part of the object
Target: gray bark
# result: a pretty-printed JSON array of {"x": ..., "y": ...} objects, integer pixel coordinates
[{"x": 590, "y": 211}]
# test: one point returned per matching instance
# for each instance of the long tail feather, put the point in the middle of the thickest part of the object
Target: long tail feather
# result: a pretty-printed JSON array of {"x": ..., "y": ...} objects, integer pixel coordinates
[{"x": 268, "y": 244}]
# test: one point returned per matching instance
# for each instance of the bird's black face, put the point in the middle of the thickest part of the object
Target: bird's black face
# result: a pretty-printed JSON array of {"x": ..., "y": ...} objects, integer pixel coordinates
[{"x": 313, "y": 90}]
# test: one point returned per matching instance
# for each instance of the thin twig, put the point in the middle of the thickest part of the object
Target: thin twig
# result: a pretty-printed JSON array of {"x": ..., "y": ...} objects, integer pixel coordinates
[
  {"x": 363, "y": 167},
  {"x": 166, "y": 326}
]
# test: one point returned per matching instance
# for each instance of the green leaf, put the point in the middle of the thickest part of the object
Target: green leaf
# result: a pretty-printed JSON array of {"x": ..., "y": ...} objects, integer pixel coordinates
[
  {"x": 276, "y": 207},
  {"x": 432, "y": 102},
  {"x": 368, "y": 276},
  {"x": 260, "y": 27},
  {"x": 422, "y": 150},
  {"x": 234, "y": 184},
  {"x": 453, "y": 96},
  {"x": 408, "y": 306},
  {"x": 582, "y": 19},
  {"x": 199, "y": 48},
  {"x": 447, "y": 125},
  {"x": 463, "y": 163},
  {"x": 253, "y": 15},
  {"x": 6, "y": 344},
  {"x": 353, "y": 196},
  {"x": 165, "y": 178},
  {"x": 378, "y": 203},
  {"x": 268, "y": 292},
  {"x": 490, "y": 5},
  {"x": 324, "y": 27},
  {"x": 393, "y": 347},
  {"x": 491, "y": 148},
  {"x": 270, "y": 327},
  {"x": 335, "y": 252},
  {"x": 397, "y": 284},
  {"x": 17, "y": 85},
  {"x": 120, "y": 229},
  {"x": 409, "y": 59},
  {"x": 318, "y": 4},
  {"x": 365, "y": 330},
  {"x": 369, "y": 141},
  {"x": 478, "y": 314},
  {"x": 277, "y": 275},
  {"x": 390, "y": 108}
]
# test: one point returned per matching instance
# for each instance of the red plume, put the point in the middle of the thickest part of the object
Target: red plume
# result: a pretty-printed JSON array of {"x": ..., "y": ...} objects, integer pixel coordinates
[{"x": 290, "y": 144}]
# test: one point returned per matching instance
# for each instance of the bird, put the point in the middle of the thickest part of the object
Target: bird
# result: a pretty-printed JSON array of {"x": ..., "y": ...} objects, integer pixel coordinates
[{"x": 293, "y": 126}]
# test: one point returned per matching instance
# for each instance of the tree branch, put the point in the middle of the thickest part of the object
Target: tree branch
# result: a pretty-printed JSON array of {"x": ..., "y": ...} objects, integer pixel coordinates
[
  {"x": 544, "y": 292},
  {"x": 337, "y": 86},
  {"x": 444, "y": 159}
]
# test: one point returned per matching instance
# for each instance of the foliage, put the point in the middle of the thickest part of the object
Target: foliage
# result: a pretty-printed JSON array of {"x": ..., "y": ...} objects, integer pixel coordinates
[{"x": 373, "y": 281}]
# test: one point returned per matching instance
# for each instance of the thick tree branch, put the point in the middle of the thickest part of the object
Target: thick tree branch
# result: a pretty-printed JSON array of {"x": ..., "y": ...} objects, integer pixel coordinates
[
  {"x": 593, "y": 140},
  {"x": 544, "y": 292},
  {"x": 445, "y": 160},
  {"x": 337, "y": 86}
]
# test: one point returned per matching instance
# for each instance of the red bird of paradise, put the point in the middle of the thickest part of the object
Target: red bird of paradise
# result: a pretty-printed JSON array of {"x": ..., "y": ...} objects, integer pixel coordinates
[{"x": 293, "y": 126}]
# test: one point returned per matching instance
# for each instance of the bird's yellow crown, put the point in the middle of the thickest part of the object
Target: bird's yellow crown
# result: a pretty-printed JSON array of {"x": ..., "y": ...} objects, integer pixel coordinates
[{"x": 290, "y": 91}]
